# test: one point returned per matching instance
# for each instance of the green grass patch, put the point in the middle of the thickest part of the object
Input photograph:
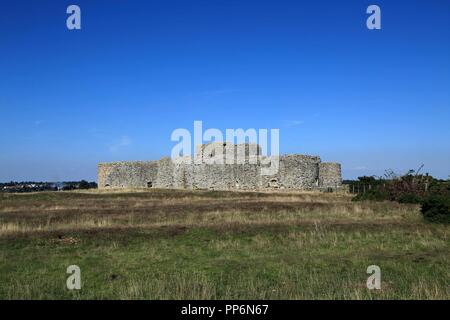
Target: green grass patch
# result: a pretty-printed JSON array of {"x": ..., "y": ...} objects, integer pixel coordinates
[{"x": 295, "y": 252}]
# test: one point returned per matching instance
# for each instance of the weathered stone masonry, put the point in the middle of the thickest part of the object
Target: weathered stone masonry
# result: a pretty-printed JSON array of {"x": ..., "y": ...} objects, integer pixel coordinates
[{"x": 210, "y": 169}]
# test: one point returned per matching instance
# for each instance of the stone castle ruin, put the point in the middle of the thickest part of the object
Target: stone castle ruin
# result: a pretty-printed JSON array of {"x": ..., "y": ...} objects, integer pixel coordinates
[{"x": 224, "y": 166}]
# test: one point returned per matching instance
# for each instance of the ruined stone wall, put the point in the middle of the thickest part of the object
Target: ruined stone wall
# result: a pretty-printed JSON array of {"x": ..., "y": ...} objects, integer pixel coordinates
[
  {"x": 330, "y": 175},
  {"x": 247, "y": 176},
  {"x": 299, "y": 171},
  {"x": 212, "y": 169},
  {"x": 213, "y": 176},
  {"x": 135, "y": 174},
  {"x": 224, "y": 152},
  {"x": 294, "y": 171},
  {"x": 166, "y": 174}
]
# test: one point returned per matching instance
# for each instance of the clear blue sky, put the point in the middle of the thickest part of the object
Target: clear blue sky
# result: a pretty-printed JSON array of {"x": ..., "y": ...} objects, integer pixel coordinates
[{"x": 137, "y": 70}]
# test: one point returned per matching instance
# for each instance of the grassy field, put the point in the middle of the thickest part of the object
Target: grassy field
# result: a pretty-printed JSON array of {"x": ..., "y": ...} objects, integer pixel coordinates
[{"x": 171, "y": 244}]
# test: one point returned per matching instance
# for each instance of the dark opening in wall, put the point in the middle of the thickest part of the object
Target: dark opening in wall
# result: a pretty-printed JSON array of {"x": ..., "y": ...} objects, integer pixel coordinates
[
  {"x": 149, "y": 184},
  {"x": 273, "y": 183},
  {"x": 107, "y": 185}
]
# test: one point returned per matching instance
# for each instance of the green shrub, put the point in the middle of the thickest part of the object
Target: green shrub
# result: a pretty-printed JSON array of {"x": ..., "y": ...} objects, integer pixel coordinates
[
  {"x": 409, "y": 188},
  {"x": 375, "y": 194},
  {"x": 410, "y": 198},
  {"x": 436, "y": 209}
]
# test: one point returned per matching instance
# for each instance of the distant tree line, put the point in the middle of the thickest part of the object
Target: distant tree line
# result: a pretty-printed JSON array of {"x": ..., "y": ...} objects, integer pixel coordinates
[
  {"x": 33, "y": 186},
  {"x": 83, "y": 184}
]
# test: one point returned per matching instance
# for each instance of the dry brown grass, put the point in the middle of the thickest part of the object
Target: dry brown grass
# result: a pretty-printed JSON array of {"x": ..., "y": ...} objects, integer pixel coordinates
[{"x": 25, "y": 213}]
